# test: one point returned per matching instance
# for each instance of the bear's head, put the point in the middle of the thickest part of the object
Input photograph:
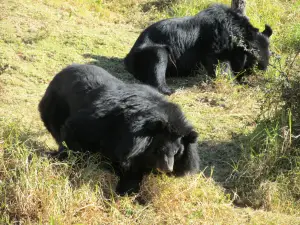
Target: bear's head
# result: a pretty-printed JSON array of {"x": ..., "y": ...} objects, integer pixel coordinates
[
  {"x": 259, "y": 51},
  {"x": 170, "y": 137},
  {"x": 171, "y": 149}
]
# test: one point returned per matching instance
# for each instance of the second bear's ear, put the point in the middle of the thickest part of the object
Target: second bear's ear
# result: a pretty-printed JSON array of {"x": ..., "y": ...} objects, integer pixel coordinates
[
  {"x": 268, "y": 31},
  {"x": 192, "y": 137}
]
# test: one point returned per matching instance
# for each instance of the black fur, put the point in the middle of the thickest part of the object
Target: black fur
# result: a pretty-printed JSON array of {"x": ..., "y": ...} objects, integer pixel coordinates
[
  {"x": 133, "y": 125},
  {"x": 176, "y": 46}
]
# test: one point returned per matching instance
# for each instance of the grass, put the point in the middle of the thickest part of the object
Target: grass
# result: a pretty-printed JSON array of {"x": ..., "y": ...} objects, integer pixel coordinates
[
  {"x": 245, "y": 158},
  {"x": 271, "y": 171}
]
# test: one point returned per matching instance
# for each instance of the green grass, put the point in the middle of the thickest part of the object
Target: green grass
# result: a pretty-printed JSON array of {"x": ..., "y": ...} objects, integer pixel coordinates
[{"x": 246, "y": 159}]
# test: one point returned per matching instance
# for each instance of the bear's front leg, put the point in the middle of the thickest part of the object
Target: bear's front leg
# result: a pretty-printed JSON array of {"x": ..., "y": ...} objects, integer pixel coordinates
[{"x": 129, "y": 183}]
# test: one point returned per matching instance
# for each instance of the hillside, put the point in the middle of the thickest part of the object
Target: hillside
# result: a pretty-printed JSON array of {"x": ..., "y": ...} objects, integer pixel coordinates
[{"x": 251, "y": 170}]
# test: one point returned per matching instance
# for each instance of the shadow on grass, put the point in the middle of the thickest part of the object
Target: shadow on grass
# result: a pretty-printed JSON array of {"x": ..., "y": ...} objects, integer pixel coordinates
[
  {"x": 216, "y": 159},
  {"x": 116, "y": 67},
  {"x": 113, "y": 65}
]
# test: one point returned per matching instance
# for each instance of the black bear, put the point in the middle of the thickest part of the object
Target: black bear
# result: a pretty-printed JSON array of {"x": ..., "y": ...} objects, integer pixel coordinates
[
  {"x": 132, "y": 125},
  {"x": 175, "y": 47}
]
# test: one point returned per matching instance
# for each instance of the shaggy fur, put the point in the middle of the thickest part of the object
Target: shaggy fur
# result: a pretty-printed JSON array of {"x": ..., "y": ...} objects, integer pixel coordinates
[
  {"x": 132, "y": 125},
  {"x": 176, "y": 46}
]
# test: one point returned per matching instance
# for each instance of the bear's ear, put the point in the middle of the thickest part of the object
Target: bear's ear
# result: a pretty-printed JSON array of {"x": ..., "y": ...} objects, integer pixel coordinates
[
  {"x": 154, "y": 127},
  {"x": 192, "y": 137},
  {"x": 268, "y": 31}
]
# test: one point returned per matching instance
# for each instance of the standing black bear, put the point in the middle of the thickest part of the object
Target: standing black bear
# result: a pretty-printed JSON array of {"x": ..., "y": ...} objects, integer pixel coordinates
[
  {"x": 176, "y": 46},
  {"x": 133, "y": 125}
]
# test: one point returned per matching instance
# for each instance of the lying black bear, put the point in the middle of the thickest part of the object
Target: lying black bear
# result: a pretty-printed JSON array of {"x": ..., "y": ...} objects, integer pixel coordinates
[
  {"x": 133, "y": 125},
  {"x": 176, "y": 46}
]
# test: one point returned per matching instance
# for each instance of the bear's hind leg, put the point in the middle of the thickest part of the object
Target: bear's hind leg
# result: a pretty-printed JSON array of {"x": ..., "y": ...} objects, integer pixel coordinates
[{"x": 150, "y": 66}]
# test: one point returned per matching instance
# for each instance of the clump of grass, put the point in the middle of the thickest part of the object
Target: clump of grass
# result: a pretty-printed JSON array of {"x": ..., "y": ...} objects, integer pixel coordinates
[
  {"x": 190, "y": 200},
  {"x": 31, "y": 185},
  {"x": 268, "y": 173}
]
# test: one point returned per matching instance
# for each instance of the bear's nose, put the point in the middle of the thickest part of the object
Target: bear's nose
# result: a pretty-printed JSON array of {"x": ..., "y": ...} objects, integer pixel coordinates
[{"x": 169, "y": 162}]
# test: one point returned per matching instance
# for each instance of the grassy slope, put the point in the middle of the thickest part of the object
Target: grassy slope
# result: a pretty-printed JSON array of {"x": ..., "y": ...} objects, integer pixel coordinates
[{"x": 38, "y": 39}]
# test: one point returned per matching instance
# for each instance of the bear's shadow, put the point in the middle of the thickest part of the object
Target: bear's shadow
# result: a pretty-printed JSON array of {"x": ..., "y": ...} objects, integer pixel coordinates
[
  {"x": 115, "y": 66},
  {"x": 217, "y": 158}
]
